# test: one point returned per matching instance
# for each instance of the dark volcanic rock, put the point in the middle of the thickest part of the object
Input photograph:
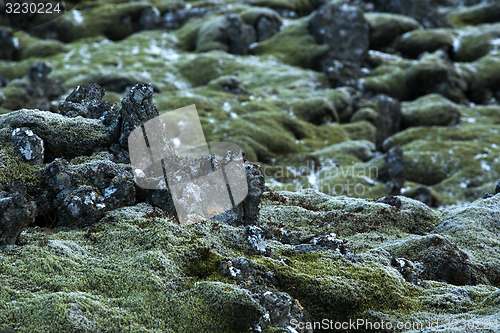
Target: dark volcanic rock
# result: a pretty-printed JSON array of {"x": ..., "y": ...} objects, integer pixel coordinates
[
  {"x": 29, "y": 144},
  {"x": 280, "y": 307},
  {"x": 411, "y": 271},
  {"x": 256, "y": 186},
  {"x": 430, "y": 110},
  {"x": 36, "y": 91},
  {"x": 346, "y": 32},
  {"x": 422, "y": 194},
  {"x": 17, "y": 211},
  {"x": 175, "y": 19},
  {"x": 3, "y": 82},
  {"x": 7, "y": 45},
  {"x": 84, "y": 192},
  {"x": 87, "y": 102},
  {"x": 392, "y": 172},
  {"x": 265, "y": 21},
  {"x": 242, "y": 269},
  {"x": 228, "y": 84},
  {"x": 388, "y": 120},
  {"x": 390, "y": 200},
  {"x": 137, "y": 108}
]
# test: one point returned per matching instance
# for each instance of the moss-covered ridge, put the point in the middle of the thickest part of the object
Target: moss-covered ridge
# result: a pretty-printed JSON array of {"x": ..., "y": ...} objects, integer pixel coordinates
[{"x": 138, "y": 269}]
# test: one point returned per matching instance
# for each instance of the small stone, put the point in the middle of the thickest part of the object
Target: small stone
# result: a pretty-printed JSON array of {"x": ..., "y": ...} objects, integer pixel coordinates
[
  {"x": 30, "y": 145},
  {"x": 390, "y": 200},
  {"x": 497, "y": 189}
]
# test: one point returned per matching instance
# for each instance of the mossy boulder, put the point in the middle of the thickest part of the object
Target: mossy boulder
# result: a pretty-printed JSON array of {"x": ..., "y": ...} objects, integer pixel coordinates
[
  {"x": 434, "y": 73},
  {"x": 430, "y": 110},
  {"x": 485, "y": 81},
  {"x": 457, "y": 162},
  {"x": 476, "y": 14},
  {"x": 385, "y": 27},
  {"x": 227, "y": 33},
  {"x": 415, "y": 42},
  {"x": 475, "y": 42},
  {"x": 43, "y": 48},
  {"x": 293, "y": 45},
  {"x": 292, "y": 7},
  {"x": 316, "y": 111},
  {"x": 265, "y": 21}
]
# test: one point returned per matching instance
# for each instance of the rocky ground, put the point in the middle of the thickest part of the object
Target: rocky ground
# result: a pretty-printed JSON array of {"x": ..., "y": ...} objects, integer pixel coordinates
[{"x": 375, "y": 124}]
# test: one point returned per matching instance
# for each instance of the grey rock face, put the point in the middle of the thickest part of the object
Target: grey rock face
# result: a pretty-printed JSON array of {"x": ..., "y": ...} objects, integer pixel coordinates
[
  {"x": 346, "y": 32},
  {"x": 29, "y": 144},
  {"x": 17, "y": 211}
]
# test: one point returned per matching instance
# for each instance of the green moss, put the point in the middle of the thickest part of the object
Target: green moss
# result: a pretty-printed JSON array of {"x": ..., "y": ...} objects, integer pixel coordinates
[
  {"x": 293, "y": 45},
  {"x": 43, "y": 48},
  {"x": 360, "y": 130},
  {"x": 252, "y": 14},
  {"x": 487, "y": 72},
  {"x": 416, "y": 42},
  {"x": 340, "y": 290},
  {"x": 480, "y": 13},
  {"x": 202, "y": 69},
  {"x": 430, "y": 110},
  {"x": 454, "y": 160},
  {"x": 15, "y": 94},
  {"x": 13, "y": 168},
  {"x": 386, "y": 79},
  {"x": 15, "y": 69}
]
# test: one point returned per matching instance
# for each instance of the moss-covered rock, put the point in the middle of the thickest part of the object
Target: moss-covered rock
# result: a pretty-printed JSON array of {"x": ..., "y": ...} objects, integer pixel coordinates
[
  {"x": 384, "y": 27},
  {"x": 458, "y": 163},
  {"x": 293, "y": 45},
  {"x": 43, "y": 48},
  {"x": 415, "y": 42},
  {"x": 474, "y": 42},
  {"x": 430, "y": 110},
  {"x": 477, "y": 14}
]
